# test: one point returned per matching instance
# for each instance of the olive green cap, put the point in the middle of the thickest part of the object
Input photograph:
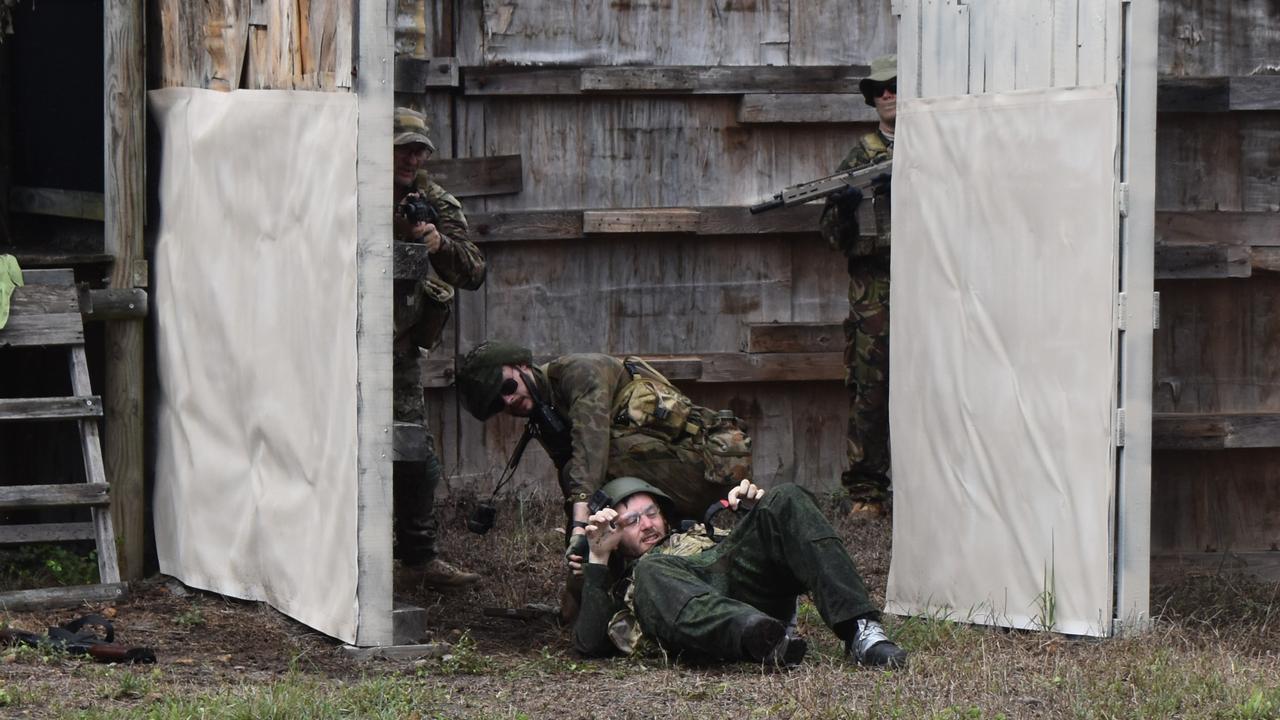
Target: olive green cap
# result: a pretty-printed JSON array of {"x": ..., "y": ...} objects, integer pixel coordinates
[
  {"x": 411, "y": 127},
  {"x": 479, "y": 376},
  {"x": 883, "y": 69},
  {"x": 621, "y": 488}
]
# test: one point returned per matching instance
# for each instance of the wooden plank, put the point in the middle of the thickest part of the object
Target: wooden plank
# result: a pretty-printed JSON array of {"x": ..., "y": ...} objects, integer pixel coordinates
[
  {"x": 805, "y": 108},
  {"x": 69, "y": 494},
  {"x": 56, "y": 276},
  {"x": 374, "y": 45},
  {"x": 1212, "y": 38},
  {"x": 31, "y": 258},
  {"x": 1180, "y": 261},
  {"x": 656, "y": 220},
  {"x": 1182, "y": 94},
  {"x": 63, "y": 597},
  {"x": 37, "y": 299},
  {"x": 805, "y": 337},
  {"x": 115, "y": 304},
  {"x": 1265, "y": 258},
  {"x": 33, "y": 330},
  {"x": 124, "y": 193},
  {"x": 95, "y": 474},
  {"x": 1262, "y": 565},
  {"x": 59, "y": 408},
  {"x": 679, "y": 79},
  {"x": 471, "y": 177},
  {"x": 530, "y": 225},
  {"x": 1065, "y": 22},
  {"x": 1215, "y": 431},
  {"x": 45, "y": 532},
  {"x": 59, "y": 203},
  {"x": 415, "y": 75},
  {"x": 1209, "y": 227},
  {"x": 822, "y": 32}
]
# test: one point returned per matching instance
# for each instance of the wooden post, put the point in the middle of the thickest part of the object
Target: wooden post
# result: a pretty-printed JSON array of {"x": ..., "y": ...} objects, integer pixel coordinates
[
  {"x": 125, "y": 149},
  {"x": 375, "y": 61}
]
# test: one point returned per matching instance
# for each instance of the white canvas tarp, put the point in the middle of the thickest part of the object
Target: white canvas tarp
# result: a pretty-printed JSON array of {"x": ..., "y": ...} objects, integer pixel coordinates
[
  {"x": 255, "y": 303},
  {"x": 1003, "y": 363}
]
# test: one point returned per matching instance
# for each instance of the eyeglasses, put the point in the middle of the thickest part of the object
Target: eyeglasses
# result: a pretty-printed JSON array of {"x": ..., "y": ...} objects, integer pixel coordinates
[
  {"x": 633, "y": 517},
  {"x": 505, "y": 390},
  {"x": 891, "y": 86}
]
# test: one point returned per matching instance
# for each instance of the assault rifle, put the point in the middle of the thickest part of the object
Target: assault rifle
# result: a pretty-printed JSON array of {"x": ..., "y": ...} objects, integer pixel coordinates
[{"x": 815, "y": 189}]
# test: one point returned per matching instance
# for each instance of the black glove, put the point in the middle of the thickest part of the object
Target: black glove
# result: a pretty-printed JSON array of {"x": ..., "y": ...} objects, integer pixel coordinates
[
  {"x": 881, "y": 183},
  {"x": 579, "y": 546},
  {"x": 847, "y": 200}
]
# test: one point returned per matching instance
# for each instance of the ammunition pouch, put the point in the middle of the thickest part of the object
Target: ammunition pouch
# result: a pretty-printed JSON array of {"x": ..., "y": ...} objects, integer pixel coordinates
[
  {"x": 422, "y": 310},
  {"x": 652, "y": 405}
]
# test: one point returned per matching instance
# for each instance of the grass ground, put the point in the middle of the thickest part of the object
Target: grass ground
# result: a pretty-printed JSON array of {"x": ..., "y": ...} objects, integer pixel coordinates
[{"x": 1212, "y": 653}]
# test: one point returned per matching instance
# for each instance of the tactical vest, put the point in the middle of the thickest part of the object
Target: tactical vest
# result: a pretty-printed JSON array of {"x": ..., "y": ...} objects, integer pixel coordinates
[
  {"x": 423, "y": 306},
  {"x": 876, "y": 151}
]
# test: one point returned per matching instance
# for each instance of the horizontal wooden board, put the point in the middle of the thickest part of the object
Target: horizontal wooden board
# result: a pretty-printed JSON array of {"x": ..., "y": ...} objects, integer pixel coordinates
[
  {"x": 59, "y": 203},
  {"x": 416, "y": 75},
  {"x": 1219, "y": 94},
  {"x": 1215, "y": 227},
  {"x": 101, "y": 304},
  {"x": 805, "y": 108},
  {"x": 45, "y": 532},
  {"x": 1187, "y": 261},
  {"x": 58, "y": 408},
  {"x": 1216, "y": 431},
  {"x": 15, "y": 496},
  {"x": 49, "y": 276},
  {"x": 63, "y": 597},
  {"x": 1227, "y": 500},
  {"x": 473, "y": 177},
  {"x": 672, "y": 79},
  {"x": 31, "y": 330},
  {"x": 40, "y": 299},
  {"x": 34, "y": 258},
  {"x": 526, "y": 225},
  {"x": 650, "y": 220},
  {"x": 803, "y": 337},
  {"x": 1261, "y": 565}
]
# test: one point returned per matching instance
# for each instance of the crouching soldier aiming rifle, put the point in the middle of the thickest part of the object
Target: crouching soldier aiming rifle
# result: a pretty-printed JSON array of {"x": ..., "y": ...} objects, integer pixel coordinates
[{"x": 721, "y": 600}]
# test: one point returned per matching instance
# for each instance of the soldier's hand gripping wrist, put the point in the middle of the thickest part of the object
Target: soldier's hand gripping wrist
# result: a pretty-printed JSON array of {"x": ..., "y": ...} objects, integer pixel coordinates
[{"x": 848, "y": 200}]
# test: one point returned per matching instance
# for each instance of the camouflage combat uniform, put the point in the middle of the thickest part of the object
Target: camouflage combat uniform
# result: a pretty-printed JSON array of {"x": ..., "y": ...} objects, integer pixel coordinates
[
  {"x": 584, "y": 387},
  {"x": 458, "y": 263},
  {"x": 866, "y": 330},
  {"x": 695, "y": 597}
]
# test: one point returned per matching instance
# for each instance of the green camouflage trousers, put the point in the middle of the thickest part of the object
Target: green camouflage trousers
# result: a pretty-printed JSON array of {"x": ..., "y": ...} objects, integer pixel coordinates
[
  {"x": 866, "y": 361},
  {"x": 414, "y": 483},
  {"x": 699, "y": 604}
]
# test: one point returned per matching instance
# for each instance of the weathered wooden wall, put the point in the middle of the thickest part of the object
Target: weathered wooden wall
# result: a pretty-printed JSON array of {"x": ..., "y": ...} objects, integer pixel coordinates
[
  {"x": 707, "y": 106},
  {"x": 1219, "y": 338}
]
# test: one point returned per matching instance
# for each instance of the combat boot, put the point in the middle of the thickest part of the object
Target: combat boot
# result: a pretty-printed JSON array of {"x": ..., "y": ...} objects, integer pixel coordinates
[
  {"x": 440, "y": 574},
  {"x": 868, "y": 510},
  {"x": 871, "y": 647},
  {"x": 765, "y": 640}
]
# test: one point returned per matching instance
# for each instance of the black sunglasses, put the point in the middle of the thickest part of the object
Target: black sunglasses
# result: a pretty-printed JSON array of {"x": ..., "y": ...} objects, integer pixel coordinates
[
  {"x": 891, "y": 86},
  {"x": 506, "y": 389}
]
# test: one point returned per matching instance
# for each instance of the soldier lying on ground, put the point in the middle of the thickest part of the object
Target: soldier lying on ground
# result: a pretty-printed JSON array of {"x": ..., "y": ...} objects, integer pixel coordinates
[{"x": 727, "y": 600}]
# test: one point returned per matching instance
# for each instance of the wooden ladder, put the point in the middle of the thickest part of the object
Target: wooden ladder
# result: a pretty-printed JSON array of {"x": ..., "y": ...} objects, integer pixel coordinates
[{"x": 46, "y": 313}]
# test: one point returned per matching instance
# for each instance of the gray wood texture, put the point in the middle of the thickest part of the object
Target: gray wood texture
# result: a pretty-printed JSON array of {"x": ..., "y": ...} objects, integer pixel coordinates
[
  {"x": 46, "y": 532},
  {"x": 805, "y": 108},
  {"x": 795, "y": 337},
  {"x": 1217, "y": 431},
  {"x": 63, "y": 597},
  {"x": 470, "y": 177},
  {"x": 124, "y": 198},
  {"x": 714, "y": 80},
  {"x": 61, "y": 408},
  {"x": 60, "y": 203},
  {"x": 69, "y": 494}
]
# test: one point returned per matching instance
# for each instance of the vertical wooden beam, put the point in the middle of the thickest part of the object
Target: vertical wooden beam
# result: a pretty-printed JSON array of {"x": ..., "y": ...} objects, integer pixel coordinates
[
  {"x": 1137, "y": 237},
  {"x": 374, "y": 85},
  {"x": 125, "y": 148}
]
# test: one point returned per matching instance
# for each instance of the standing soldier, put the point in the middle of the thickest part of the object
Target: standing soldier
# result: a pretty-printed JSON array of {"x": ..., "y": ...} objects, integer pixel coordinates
[
  {"x": 866, "y": 330},
  {"x": 425, "y": 213}
]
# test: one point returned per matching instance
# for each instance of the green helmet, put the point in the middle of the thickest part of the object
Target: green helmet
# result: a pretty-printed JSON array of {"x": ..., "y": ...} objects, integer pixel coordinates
[
  {"x": 621, "y": 488},
  {"x": 479, "y": 375}
]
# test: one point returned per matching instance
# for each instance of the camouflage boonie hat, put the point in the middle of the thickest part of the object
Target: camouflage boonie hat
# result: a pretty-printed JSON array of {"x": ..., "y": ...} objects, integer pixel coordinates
[
  {"x": 479, "y": 376},
  {"x": 411, "y": 127},
  {"x": 621, "y": 488},
  {"x": 883, "y": 69}
]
